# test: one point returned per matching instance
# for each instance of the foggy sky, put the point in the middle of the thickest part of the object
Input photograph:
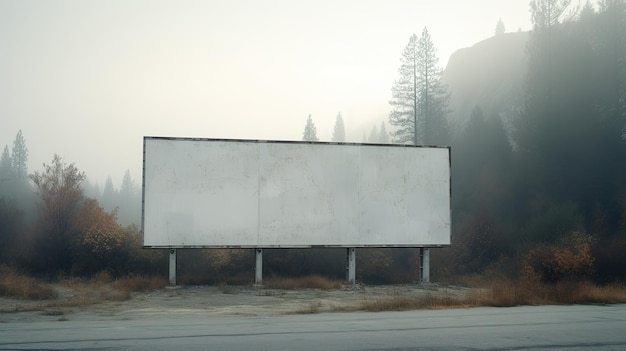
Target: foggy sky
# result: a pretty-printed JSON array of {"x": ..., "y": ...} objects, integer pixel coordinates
[{"x": 88, "y": 79}]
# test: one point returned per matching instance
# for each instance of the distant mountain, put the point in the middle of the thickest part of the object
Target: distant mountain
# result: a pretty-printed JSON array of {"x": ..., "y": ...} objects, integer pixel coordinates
[{"x": 489, "y": 74}]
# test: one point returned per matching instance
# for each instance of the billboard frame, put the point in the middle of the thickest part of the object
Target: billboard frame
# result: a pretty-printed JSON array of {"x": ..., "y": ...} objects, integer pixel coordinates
[
  {"x": 424, "y": 253},
  {"x": 360, "y": 238}
]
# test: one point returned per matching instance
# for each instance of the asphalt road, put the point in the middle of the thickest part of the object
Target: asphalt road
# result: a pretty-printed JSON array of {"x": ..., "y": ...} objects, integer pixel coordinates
[{"x": 519, "y": 328}]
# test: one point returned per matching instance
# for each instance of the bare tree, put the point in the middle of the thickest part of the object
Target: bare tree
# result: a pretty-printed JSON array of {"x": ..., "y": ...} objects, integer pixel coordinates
[{"x": 59, "y": 187}]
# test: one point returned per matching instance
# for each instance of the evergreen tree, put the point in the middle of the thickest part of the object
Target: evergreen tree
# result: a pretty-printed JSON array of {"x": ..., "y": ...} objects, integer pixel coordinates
[
  {"x": 339, "y": 132},
  {"x": 546, "y": 14},
  {"x": 6, "y": 174},
  {"x": 373, "y": 138},
  {"x": 611, "y": 50},
  {"x": 419, "y": 100},
  {"x": 383, "y": 136},
  {"x": 109, "y": 195},
  {"x": 500, "y": 27},
  {"x": 310, "y": 131},
  {"x": 569, "y": 149},
  {"x": 19, "y": 157},
  {"x": 129, "y": 201},
  {"x": 127, "y": 189},
  {"x": 6, "y": 165}
]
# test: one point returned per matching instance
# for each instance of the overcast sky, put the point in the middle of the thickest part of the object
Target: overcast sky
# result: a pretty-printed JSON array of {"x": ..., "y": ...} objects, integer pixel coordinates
[{"x": 88, "y": 79}]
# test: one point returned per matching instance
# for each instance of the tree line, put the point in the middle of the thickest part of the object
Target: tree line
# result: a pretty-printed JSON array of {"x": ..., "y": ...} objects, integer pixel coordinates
[
  {"x": 49, "y": 226},
  {"x": 544, "y": 196}
]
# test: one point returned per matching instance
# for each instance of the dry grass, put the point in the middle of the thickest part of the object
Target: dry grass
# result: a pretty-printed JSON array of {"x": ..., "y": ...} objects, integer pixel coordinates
[
  {"x": 73, "y": 291},
  {"x": 308, "y": 282},
  {"x": 101, "y": 287},
  {"x": 311, "y": 309},
  {"x": 503, "y": 294},
  {"x": 406, "y": 303},
  {"x": 16, "y": 285},
  {"x": 516, "y": 293}
]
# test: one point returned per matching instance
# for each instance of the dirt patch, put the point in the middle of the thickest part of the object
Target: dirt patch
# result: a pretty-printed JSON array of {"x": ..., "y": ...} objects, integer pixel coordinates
[{"x": 214, "y": 301}]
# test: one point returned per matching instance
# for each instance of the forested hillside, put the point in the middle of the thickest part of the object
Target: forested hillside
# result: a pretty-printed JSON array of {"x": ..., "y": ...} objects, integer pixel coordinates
[
  {"x": 547, "y": 194},
  {"x": 489, "y": 74}
]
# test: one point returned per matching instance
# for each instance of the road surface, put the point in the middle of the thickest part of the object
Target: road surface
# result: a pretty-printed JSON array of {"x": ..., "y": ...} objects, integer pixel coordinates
[{"x": 519, "y": 328}]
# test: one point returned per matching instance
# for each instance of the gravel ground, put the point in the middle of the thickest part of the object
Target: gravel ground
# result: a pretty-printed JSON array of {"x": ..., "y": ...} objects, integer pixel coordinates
[{"x": 211, "y": 301}]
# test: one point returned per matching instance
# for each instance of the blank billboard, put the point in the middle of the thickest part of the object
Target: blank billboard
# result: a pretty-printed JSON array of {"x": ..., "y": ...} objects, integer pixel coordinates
[{"x": 243, "y": 193}]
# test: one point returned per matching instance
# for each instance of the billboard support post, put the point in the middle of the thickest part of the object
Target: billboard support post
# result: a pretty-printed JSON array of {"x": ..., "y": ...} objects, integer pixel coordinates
[
  {"x": 424, "y": 265},
  {"x": 258, "y": 269},
  {"x": 351, "y": 269},
  {"x": 173, "y": 267}
]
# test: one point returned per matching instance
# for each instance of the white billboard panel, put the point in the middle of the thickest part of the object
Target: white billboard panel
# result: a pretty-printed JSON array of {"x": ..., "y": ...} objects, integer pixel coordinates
[{"x": 238, "y": 193}]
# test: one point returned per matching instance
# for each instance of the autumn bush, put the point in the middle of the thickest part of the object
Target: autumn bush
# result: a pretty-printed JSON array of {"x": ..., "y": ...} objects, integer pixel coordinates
[
  {"x": 97, "y": 240},
  {"x": 567, "y": 260}
]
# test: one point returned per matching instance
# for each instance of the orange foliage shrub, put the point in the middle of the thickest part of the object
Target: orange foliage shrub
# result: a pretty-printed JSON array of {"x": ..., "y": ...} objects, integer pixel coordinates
[
  {"x": 569, "y": 259},
  {"x": 96, "y": 238}
]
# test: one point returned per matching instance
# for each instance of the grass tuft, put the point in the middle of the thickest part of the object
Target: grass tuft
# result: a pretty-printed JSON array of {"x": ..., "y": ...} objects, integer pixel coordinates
[{"x": 308, "y": 282}]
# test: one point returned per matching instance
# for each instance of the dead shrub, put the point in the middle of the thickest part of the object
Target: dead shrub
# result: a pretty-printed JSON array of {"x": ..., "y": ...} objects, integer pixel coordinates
[
  {"x": 16, "y": 285},
  {"x": 406, "y": 303}
]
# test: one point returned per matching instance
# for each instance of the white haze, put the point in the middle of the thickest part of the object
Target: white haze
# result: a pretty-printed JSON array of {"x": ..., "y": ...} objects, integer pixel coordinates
[{"x": 88, "y": 79}]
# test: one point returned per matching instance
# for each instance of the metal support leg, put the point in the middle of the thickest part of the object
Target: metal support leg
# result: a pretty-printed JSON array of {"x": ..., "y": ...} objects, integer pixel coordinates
[
  {"x": 258, "y": 271},
  {"x": 173, "y": 267},
  {"x": 424, "y": 265},
  {"x": 351, "y": 268}
]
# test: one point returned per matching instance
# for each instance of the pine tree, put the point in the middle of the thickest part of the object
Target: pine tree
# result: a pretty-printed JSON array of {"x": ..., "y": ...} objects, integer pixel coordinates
[
  {"x": 127, "y": 189},
  {"x": 545, "y": 14},
  {"x": 310, "y": 131},
  {"x": 129, "y": 201},
  {"x": 19, "y": 158},
  {"x": 500, "y": 27},
  {"x": 109, "y": 195},
  {"x": 339, "y": 132},
  {"x": 383, "y": 136},
  {"x": 6, "y": 165},
  {"x": 373, "y": 138},
  {"x": 419, "y": 100}
]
